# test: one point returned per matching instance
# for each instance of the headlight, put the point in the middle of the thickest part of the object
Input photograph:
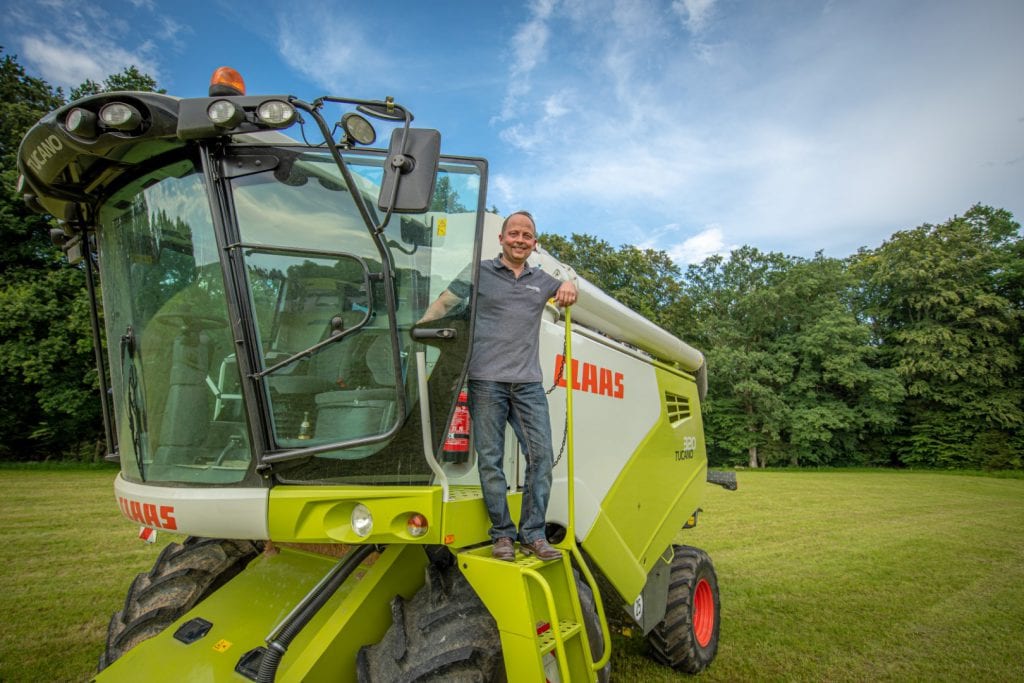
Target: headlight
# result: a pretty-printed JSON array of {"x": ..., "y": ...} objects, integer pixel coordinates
[
  {"x": 362, "y": 520},
  {"x": 276, "y": 113},
  {"x": 224, "y": 113},
  {"x": 81, "y": 122},
  {"x": 120, "y": 116},
  {"x": 358, "y": 128}
]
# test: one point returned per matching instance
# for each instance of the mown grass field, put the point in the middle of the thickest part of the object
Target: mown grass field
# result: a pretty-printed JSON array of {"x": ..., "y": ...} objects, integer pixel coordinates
[{"x": 825, "y": 576}]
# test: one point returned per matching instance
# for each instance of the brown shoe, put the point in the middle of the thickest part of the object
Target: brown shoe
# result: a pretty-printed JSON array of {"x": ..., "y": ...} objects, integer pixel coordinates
[
  {"x": 542, "y": 549},
  {"x": 504, "y": 549}
]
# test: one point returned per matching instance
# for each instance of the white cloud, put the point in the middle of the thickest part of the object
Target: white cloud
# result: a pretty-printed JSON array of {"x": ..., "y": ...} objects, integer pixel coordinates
[
  {"x": 694, "y": 14},
  {"x": 69, "y": 63},
  {"x": 707, "y": 243},
  {"x": 67, "y": 43},
  {"x": 324, "y": 45},
  {"x": 529, "y": 49},
  {"x": 799, "y": 131}
]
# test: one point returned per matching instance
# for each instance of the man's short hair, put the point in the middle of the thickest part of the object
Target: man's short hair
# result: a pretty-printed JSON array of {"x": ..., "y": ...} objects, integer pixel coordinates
[{"x": 529, "y": 215}]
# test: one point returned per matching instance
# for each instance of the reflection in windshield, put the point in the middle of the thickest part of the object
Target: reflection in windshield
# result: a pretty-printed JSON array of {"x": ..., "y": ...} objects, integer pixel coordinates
[
  {"x": 335, "y": 368},
  {"x": 171, "y": 350}
]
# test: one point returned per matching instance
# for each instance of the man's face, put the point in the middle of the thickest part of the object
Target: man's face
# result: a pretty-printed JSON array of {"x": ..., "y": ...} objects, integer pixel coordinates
[{"x": 518, "y": 239}]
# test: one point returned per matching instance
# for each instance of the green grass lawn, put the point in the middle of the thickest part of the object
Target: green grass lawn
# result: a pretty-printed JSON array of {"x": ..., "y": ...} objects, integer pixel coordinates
[{"x": 824, "y": 576}]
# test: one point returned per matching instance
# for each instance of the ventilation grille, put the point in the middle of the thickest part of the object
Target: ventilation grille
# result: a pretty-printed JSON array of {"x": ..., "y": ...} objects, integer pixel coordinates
[{"x": 678, "y": 407}]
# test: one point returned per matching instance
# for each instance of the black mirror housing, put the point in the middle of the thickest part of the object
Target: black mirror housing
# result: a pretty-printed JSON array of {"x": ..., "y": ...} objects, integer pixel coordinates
[{"x": 412, "y": 166}]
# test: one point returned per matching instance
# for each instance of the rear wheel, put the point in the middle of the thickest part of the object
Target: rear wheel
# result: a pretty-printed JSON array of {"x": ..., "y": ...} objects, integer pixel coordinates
[
  {"x": 182, "y": 576},
  {"x": 444, "y": 633},
  {"x": 687, "y": 638}
]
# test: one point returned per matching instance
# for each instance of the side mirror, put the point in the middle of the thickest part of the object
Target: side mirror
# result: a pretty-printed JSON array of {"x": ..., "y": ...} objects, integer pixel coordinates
[{"x": 413, "y": 170}]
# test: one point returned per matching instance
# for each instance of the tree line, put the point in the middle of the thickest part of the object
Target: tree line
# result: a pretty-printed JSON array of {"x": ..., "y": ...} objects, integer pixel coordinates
[{"x": 908, "y": 354}]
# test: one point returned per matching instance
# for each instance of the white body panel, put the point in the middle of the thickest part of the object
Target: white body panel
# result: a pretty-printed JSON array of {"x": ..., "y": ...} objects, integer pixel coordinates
[
  {"x": 615, "y": 424},
  {"x": 208, "y": 512}
]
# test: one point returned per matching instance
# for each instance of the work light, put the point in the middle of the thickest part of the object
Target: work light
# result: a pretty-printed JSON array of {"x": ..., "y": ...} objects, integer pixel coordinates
[
  {"x": 225, "y": 113},
  {"x": 120, "y": 116},
  {"x": 276, "y": 113},
  {"x": 81, "y": 122}
]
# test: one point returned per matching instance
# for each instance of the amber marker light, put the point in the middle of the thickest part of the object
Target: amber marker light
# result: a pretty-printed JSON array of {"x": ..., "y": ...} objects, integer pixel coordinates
[
  {"x": 416, "y": 525},
  {"x": 226, "y": 82}
]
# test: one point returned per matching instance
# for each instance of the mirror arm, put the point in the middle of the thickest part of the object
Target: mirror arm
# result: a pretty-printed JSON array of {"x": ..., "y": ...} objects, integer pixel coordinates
[{"x": 314, "y": 111}]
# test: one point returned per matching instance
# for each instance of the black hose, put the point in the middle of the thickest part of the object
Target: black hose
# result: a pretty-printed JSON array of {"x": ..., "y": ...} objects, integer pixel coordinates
[{"x": 313, "y": 603}]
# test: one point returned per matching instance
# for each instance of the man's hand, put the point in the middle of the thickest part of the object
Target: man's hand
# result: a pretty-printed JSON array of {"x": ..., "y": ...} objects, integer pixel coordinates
[{"x": 566, "y": 294}]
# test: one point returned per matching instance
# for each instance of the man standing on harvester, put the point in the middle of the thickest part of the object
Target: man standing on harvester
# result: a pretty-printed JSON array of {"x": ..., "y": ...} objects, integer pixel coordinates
[{"x": 506, "y": 383}]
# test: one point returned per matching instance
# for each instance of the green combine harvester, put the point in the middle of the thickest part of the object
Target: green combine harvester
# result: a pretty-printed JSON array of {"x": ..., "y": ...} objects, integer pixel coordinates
[{"x": 269, "y": 393}]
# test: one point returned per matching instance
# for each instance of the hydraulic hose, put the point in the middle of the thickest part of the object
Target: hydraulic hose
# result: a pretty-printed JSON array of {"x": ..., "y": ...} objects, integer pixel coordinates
[{"x": 285, "y": 633}]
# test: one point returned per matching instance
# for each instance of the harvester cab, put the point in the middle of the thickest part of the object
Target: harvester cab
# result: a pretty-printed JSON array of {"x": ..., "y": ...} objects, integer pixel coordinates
[{"x": 270, "y": 392}]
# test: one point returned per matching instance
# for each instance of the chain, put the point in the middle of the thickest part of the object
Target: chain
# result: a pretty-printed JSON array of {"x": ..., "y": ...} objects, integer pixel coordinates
[{"x": 558, "y": 376}]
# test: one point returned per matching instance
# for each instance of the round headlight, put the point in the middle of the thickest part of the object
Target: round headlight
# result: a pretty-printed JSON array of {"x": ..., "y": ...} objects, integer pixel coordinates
[
  {"x": 276, "y": 113},
  {"x": 358, "y": 128},
  {"x": 362, "y": 520},
  {"x": 224, "y": 113},
  {"x": 120, "y": 116},
  {"x": 81, "y": 122}
]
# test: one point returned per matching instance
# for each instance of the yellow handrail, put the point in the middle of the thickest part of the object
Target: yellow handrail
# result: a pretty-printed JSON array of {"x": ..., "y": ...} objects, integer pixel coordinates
[{"x": 570, "y": 532}]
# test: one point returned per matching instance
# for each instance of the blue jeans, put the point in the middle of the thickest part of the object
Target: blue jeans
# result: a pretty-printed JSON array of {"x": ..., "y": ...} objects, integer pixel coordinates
[{"x": 525, "y": 407}]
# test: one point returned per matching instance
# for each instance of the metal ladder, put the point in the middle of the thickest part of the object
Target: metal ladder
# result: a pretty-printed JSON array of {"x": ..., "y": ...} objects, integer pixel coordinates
[{"x": 535, "y": 602}]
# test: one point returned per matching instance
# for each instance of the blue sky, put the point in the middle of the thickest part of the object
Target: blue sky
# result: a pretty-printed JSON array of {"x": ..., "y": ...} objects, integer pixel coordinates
[{"x": 692, "y": 126}]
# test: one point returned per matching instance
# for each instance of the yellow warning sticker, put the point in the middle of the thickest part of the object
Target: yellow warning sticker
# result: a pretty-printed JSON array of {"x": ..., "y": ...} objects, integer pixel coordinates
[
  {"x": 442, "y": 227},
  {"x": 222, "y": 645}
]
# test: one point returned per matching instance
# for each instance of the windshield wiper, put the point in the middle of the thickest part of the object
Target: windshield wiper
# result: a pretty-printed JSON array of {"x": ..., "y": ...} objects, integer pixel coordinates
[{"x": 130, "y": 390}]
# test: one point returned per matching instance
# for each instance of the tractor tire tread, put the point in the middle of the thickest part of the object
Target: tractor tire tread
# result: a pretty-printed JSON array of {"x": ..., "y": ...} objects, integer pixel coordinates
[
  {"x": 444, "y": 633},
  {"x": 181, "y": 577},
  {"x": 672, "y": 642}
]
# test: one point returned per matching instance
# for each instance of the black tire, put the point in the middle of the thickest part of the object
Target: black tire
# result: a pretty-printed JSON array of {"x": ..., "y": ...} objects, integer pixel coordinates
[
  {"x": 592, "y": 623},
  {"x": 443, "y": 634},
  {"x": 182, "y": 576},
  {"x": 687, "y": 638}
]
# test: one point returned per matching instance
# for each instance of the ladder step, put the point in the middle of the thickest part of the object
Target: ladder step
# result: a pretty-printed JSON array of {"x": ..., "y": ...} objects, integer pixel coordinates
[{"x": 546, "y": 640}]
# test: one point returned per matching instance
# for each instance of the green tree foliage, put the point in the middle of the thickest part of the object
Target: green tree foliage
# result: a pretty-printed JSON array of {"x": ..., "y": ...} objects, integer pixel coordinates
[
  {"x": 945, "y": 306},
  {"x": 445, "y": 197},
  {"x": 129, "y": 79},
  {"x": 645, "y": 280},
  {"x": 25, "y": 235},
  {"x": 48, "y": 402},
  {"x": 792, "y": 376}
]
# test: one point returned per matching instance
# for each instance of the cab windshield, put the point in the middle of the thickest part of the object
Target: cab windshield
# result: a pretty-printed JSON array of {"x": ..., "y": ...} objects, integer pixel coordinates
[{"x": 326, "y": 348}]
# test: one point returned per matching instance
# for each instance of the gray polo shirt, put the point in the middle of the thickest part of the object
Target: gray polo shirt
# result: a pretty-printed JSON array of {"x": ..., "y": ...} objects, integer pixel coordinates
[{"x": 506, "y": 339}]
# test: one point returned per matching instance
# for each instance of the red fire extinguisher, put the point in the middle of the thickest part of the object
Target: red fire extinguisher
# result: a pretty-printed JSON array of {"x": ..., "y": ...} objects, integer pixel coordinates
[{"x": 456, "y": 446}]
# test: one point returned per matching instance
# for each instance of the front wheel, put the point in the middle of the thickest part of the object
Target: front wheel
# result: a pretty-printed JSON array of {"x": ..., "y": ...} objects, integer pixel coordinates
[
  {"x": 687, "y": 638},
  {"x": 182, "y": 576},
  {"x": 444, "y": 634}
]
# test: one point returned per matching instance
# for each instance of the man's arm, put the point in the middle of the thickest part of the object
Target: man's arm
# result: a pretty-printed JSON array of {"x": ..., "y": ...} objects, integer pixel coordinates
[{"x": 444, "y": 303}]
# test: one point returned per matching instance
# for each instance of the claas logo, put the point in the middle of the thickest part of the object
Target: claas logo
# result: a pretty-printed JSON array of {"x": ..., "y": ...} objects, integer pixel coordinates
[
  {"x": 591, "y": 378},
  {"x": 161, "y": 517}
]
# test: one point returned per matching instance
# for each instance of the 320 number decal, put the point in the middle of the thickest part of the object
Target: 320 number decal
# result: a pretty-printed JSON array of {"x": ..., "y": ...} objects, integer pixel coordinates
[{"x": 689, "y": 448}]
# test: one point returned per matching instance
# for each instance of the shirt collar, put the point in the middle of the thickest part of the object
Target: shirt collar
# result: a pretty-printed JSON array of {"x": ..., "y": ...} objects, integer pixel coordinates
[{"x": 499, "y": 264}]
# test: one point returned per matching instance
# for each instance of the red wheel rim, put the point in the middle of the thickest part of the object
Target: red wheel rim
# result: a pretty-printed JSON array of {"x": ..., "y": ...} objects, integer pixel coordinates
[{"x": 703, "y": 613}]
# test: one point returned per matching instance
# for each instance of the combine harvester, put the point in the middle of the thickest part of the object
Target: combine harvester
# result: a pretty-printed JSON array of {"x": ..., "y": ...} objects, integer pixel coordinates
[{"x": 269, "y": 392}]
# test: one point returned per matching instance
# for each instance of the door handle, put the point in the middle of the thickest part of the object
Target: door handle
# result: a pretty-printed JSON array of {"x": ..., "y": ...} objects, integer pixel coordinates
[{"x": 434, "y": 333}]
